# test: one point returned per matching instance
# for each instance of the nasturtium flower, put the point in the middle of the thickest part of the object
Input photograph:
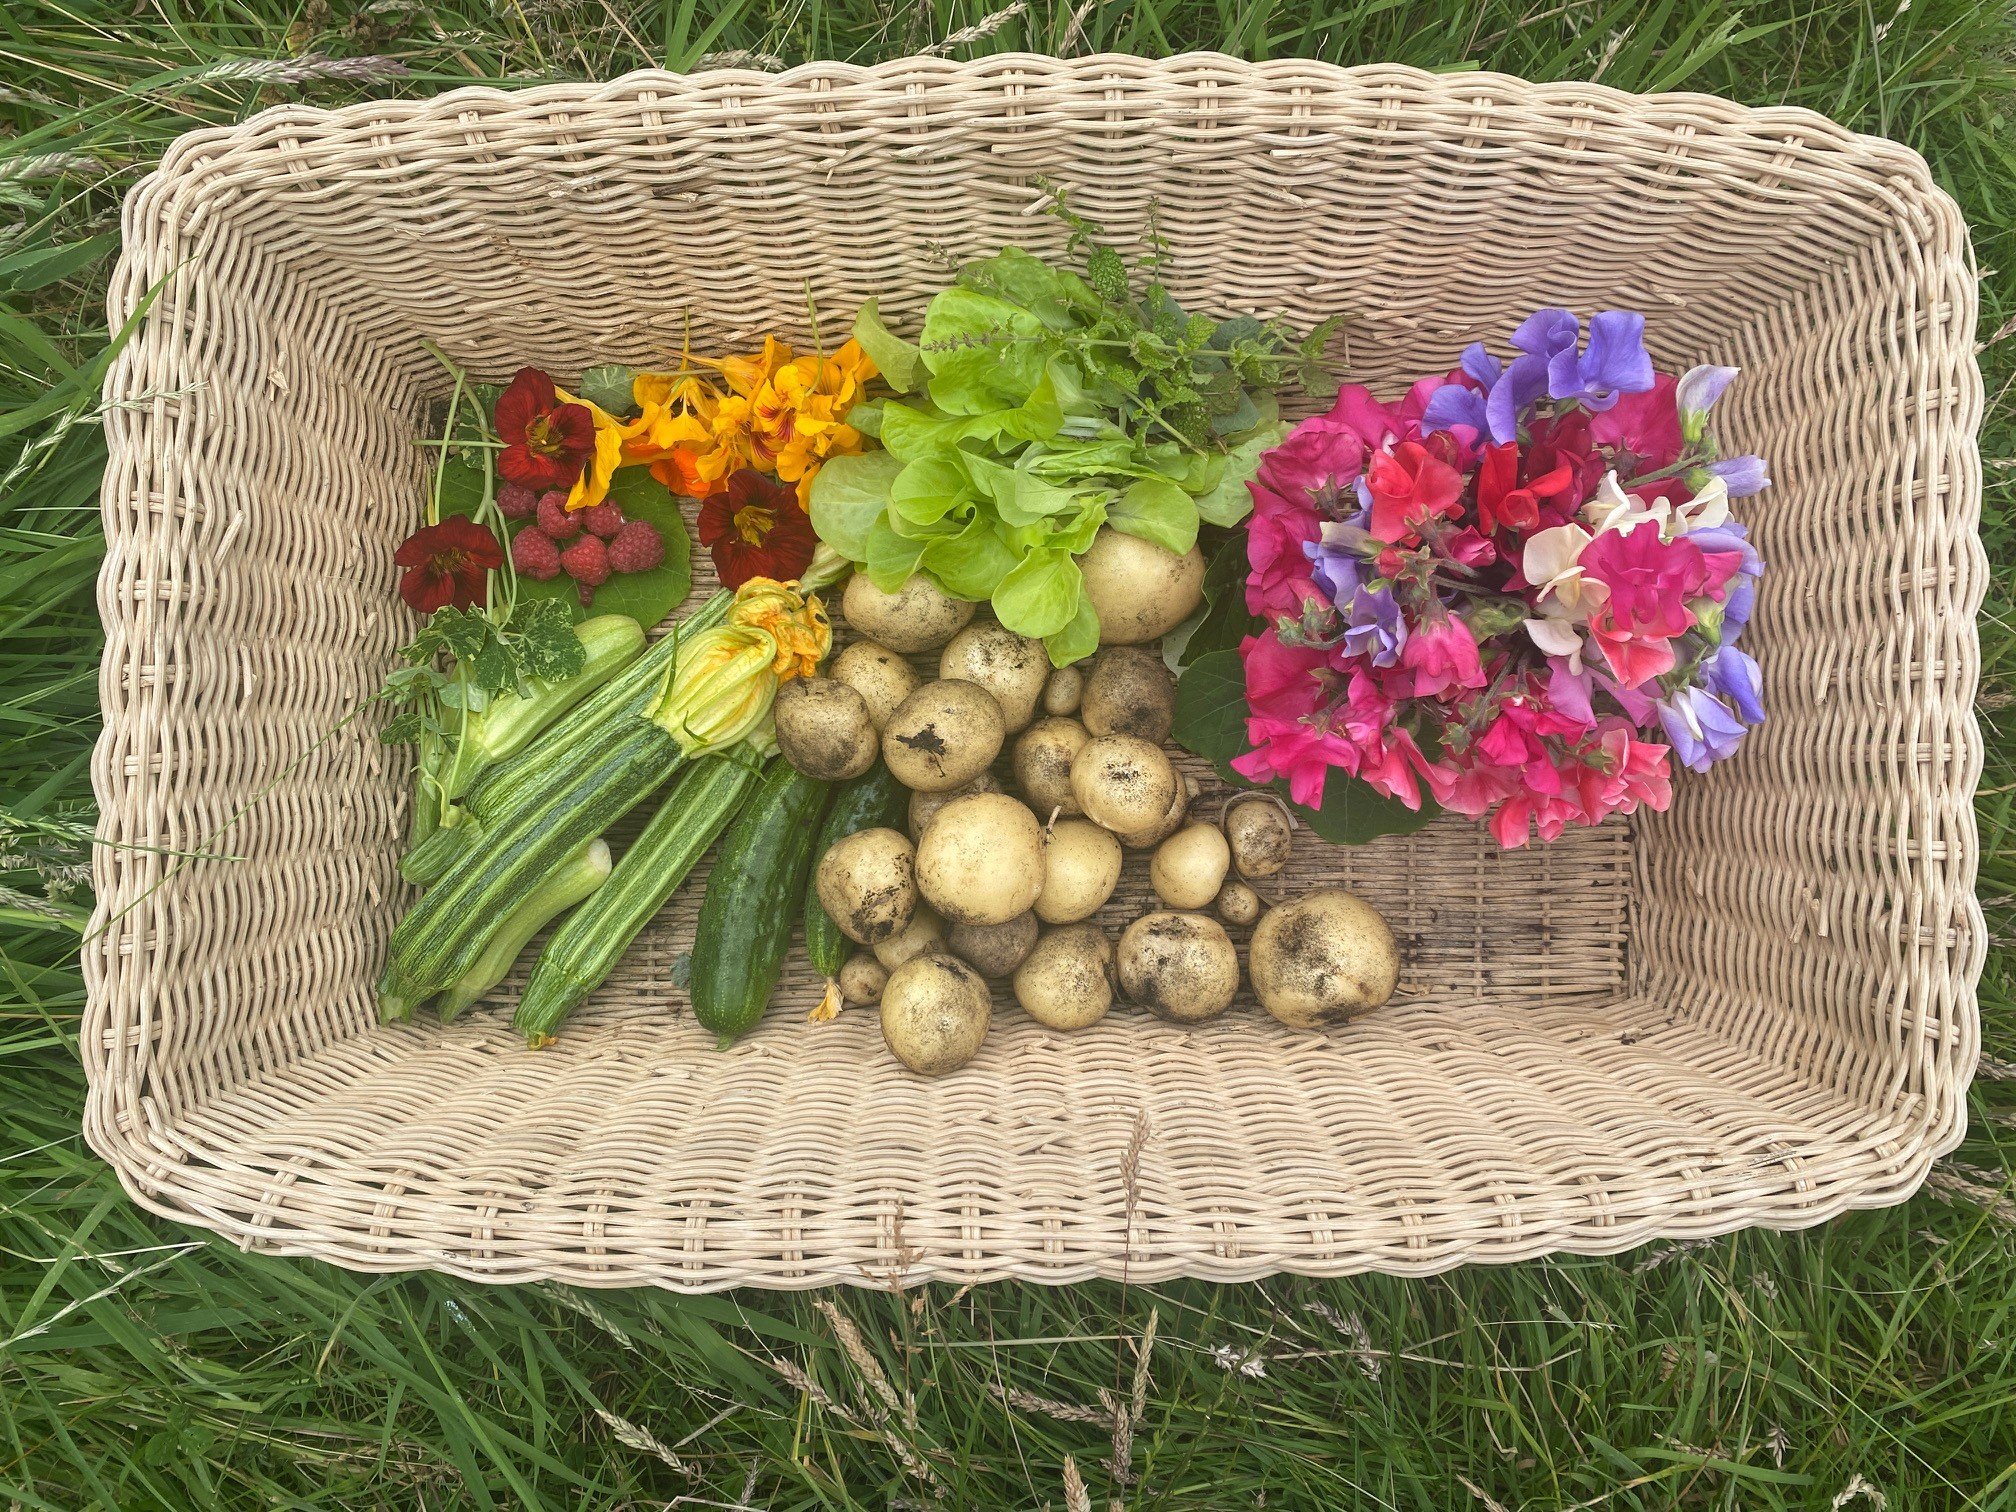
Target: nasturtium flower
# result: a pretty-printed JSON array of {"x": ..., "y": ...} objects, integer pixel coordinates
[
  {"x": 592, "y": 486},
  {"x": 756, "y": 527},
  {"x": 446, "y": 564},
  {"x": 547, "y": 438}
]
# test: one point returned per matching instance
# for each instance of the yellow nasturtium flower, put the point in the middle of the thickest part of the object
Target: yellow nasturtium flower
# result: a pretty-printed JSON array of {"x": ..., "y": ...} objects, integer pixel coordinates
[{"x": 592, "y": 487}]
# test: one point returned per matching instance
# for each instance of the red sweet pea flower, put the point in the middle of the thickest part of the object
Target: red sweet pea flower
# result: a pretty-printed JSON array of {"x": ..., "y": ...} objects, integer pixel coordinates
[
  {"x": 1564, "y": 441},
  {"x": 546, "y": 443},
  {"x": 1409, "y": 484},
  {"x": 756, "y": 528},
  {"x": 445, "y": 564},
  {"x": 1502, "y": 504}
]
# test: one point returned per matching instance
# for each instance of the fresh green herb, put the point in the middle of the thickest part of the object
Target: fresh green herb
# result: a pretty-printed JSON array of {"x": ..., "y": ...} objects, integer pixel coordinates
[{"x": 1047, "y": 406}]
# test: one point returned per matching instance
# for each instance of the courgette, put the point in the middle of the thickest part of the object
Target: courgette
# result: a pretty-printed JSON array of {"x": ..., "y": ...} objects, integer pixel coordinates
[
  {"x": 868, "y": 801},
  {"x": 753, "y": 899},
  {"x": 442, "y": 935},
  {"x": 581, "y": 875},
  {"x": 587, "y": 946}
]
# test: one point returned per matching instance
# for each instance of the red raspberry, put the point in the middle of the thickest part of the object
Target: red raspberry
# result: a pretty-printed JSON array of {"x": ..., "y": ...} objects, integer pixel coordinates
[
  {"x": 587, "y": 562},
  {"x": 604, "y": 519},
  {"x": 554, "y": 518},
  {"x": 516, "y": 501},
  {"x": 535, "y": 555},
  {"x": 637, "y": 548}
]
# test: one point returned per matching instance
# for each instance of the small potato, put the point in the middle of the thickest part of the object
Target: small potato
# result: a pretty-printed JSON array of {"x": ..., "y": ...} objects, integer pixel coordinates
[
  {"x": 935, "y": 1011},
  {"x": 1081, "y": 867},
  {"x": 1170, "y": 822},
  {"x": 1125, "y": 783},
  {"x": 924, "y": 806},
  {"x": 1065, "y": 981},
  {"x": 1043, "y": 756},
  {"x": 1190, "y": 866},
  {"x": 993, "y": 950},
  {"x": 879, "y": 675},
  {"x": 924, "y": 933},
  {"x": 943, "y": 736},
  {"x": 1129, "y": 692},
  {"x": 1260, "y": 837},
  {"x": 1180, "y": 966},
  {"x": 919, "y": 616},
  {"x": 980, "y": 860},
  {"x": 862, "y": 979},
  {"x": 868, "y": 883},
  {"x": 1323, "y": 958},
  {"x": 1238, "y": 904},
  {"x": 1012, "y": 667},
  {"x": 824, "y": 728},
  {"x": 1139, "y": 590},
  {"x": 1064, "y": 691}
]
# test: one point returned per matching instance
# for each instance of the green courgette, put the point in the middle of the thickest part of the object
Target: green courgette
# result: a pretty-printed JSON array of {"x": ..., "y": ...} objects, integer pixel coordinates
[
  {"x": 873, "y": 799},
  {"x": 578, "y": 877},
  {"x": 587, "y": 946},
  {"x": 442, "y": 935},
  {"x": 753, "y": 899}
]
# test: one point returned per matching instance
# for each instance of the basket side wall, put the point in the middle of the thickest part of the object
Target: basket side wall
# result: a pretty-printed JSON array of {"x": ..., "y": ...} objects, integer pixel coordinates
[{"x": 1815, "y": 900}]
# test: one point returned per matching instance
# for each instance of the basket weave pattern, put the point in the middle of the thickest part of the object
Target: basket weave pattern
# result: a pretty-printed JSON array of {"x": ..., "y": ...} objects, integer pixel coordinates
[{"x": 1755, "y": 1009}]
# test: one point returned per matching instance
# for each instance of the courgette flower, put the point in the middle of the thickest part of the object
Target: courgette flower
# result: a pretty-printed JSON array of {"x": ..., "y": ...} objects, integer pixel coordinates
[
  {"x": 796, "y": 621},
  {"x": 720, "y": 689}
]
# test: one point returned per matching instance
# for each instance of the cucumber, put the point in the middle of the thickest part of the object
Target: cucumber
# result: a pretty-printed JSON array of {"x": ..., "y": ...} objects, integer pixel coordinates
[
  {"x": 587, "y": 946},
  {"x": 869, "y": 801},
  {"x": 753, "y": 898},
  {"x": 576, "y": 878},
  {"x": 443, "y": 934}
]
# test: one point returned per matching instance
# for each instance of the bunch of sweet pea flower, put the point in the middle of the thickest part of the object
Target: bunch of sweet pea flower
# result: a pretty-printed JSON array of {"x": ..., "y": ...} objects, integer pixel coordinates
[{"x": 1519, "y": 586}]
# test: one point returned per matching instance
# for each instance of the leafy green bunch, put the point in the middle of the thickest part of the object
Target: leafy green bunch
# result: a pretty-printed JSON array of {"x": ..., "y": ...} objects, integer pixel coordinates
[
  {"x": 487, "y": 658},
  {"x": 1047, "y": 406}
]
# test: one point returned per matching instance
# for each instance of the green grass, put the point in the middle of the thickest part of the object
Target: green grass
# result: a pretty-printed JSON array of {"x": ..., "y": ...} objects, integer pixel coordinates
[{"x": 1870, "y": 1362}]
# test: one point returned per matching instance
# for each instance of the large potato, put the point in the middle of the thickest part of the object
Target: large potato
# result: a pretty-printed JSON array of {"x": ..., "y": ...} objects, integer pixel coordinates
[
  {"x": 1043, "y": 756},
  {"x": 1129, "y": 692},
  {"x": 1139, "y": 590},
  {"x": 943, "y": 736},
  {"x": 1063, "y": 983},
  {"x": 1012, "y": 667},
  {"x": 879, "y": 675},
  {"x": 868, "y": 883},
  {"x": 935, "y": 1011},
  {"x": 1081, "y": 867},
  {"x": 1179, "y": 966},
  {"x": 916, "y": 617},
  {"x": 824, "y": 728},
  {"x": 1125, "y": 783},
  {"x": 1323, "y": 958},
  {"x": 980, "y": 859},
  {"x": 1190, "y": 866}
]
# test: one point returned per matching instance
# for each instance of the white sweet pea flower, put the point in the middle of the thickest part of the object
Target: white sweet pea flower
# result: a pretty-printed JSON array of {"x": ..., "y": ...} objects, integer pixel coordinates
[
  {"x": 1707, "y": 509},
  {"x": 1557, "y": 638},
  {"x": 1552, "y": 564},
  {"x": 1614, "y": 509}
]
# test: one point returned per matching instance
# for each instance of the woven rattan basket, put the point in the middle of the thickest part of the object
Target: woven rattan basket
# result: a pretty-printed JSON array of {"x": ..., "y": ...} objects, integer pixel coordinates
[{"x": 1755, "y": 1009}]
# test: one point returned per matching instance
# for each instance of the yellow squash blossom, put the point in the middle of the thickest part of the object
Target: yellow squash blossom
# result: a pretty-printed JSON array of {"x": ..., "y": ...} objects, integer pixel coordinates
[
  {"x": 796, "y": 621},
  {"x": 720, "y": 690}
]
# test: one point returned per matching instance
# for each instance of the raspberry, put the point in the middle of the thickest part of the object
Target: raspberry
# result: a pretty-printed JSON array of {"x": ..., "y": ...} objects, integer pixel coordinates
[
  {"x": 554, "y": 518},
  {"x": 516, "y": 501},
  {"x": 587, "y": 595},
  {"x": 604, "y": 519},
  {"x": 637, "y": 548},
  {"x": 535, "y": 555},
  {"x": 587, "y": 562}
]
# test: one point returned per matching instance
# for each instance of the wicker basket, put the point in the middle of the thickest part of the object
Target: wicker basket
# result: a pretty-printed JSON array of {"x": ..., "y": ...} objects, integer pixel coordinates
[{"x": 1755, "y": 1009}]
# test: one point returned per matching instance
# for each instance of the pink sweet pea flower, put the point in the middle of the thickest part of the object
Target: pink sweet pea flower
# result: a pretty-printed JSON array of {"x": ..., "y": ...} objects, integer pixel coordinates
[
  {"x": 1650, "y": 579},
  {"x": 1409, "y": 484},
  {"x": 1644, "y": 425},
  {"x": 1328, "y": 451},
  {"x": 1634, "y": 657},
  {"x": 1276, "y": 533},
  {"x": 1442, "y": 655}
]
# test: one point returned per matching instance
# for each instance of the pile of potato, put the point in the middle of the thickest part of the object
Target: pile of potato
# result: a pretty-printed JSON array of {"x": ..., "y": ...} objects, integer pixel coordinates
[{"x": 988, "y": 886}]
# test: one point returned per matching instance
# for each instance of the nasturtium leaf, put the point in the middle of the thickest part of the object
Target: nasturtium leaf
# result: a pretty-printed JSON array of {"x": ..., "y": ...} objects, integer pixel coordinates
[
  {"x": 647, "y": 597},
  {"x": 609, "y": 386},
  {"x": 900, "y": 361},
  {"x": 541, "y": 637},
  {"x": 1040, "y": 595},
  {"x": 465, "y": 632},
  {"x": 848, "y": 496},
  {"x": 1155, "y": 509}
]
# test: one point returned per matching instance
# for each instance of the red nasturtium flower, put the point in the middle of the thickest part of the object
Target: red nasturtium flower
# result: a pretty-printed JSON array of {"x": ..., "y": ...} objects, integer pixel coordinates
[
  {"x": 546, "y": 443},
  {"x": 445, "y": 563},
  {"x": 756, "y": 528}
]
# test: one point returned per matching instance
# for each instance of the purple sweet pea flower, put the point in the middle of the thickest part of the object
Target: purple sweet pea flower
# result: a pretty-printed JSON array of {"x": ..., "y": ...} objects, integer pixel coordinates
[
  {"x": 1743, "y": 476},
  {"x": 1481, "y": 365},
  {"x": 1696, "y": 394},
  {"x": 1736, "y": 607},
  {"x": 1731, "y": 535},
  {"x": 1456, "y": 404},
  {"x": 1541, "y": 337},
  {"x": 1615, "y": 362},
  {"x": 1374, "y": 627},
  {"x": 1700, "y": 728},
  {"x": 1734, "y": 675},
  {"x": 1334, "y": 569}
]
